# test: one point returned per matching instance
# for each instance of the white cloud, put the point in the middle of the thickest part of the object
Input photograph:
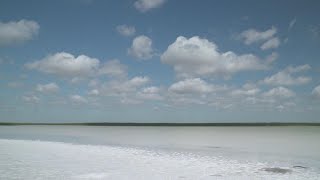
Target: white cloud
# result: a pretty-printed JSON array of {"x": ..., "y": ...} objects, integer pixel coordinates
[
  {"x": 94, "y": 83},
  {"x": 271, "y": 44},
  {"x": 31, "y": 99},
  {"x": 316, "y": 91},
  {"x": 48, "y": 88},
  {"x": 191, "y": 86},
  {"x": 196, "y": 91},
  {"x": 146, "y": 5},
  {"x": 127, "y": 100},
  {"x": 285, "y": 77},
  {"x": 14, "y": 32},
  {"x": 246, "y": 90},
  {"x": 77, "y": 80},
  {"x": 151, "y": 90},
  {"x": 292, "y": 23},
  {"x": 252, "y": 35},
  {"x": 280, "y": 108},
  {"x": 113, "y": 68},
  {"x": 297, "y": 69},
  {"x": 137, "y": 81},
  {"x": 120, "y": 88},
  {"x": 141, "y": 48},
  {"x": 126, "y": 30},
  {"x": 272, "y": 57},
  {"x": 129, "y": 91},
  {"x": 285, "y": 106},
  {"x": 78, "y": 69},
  {"x": 200, "y": 57},
  {"x": 183, "y": 100},
  {"x": 94, "y": 92},
  {"x": 65, "y": 64},
  {"x": 150, "y": 93},
  {"x": 77, "y": 99},
  {"x": 267, "y": 38},
  {"x": 279, "y": 92}
]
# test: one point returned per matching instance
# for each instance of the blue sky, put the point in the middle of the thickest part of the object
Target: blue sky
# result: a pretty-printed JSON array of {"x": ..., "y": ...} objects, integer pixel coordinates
[{"x": 159, "y": 61}]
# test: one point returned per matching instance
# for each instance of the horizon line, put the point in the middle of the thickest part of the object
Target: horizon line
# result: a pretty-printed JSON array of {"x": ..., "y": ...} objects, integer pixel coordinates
[{"x": 170, "y": 124}]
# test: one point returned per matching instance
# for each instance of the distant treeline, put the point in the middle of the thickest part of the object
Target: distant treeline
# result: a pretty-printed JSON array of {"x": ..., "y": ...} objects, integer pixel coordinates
[{"x": 168, "y": 124}]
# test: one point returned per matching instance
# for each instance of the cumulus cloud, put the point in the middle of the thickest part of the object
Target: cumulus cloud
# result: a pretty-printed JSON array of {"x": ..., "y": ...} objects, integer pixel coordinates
[
  {"x": 297, "y": 69},
  {"x": 48, "y": 88},
  {"x": 141, "y": 48},
  {"x": 146, "y": 5},
  {"x": 184, "y": 100},
  {"x": 14, "y": 32},
  {"x": 249, "y": 96},
  {"x": 246, "y": 90},
  {"x": 285, "y": 106},
  {"x": 271, "y": 44},
  {"x": 286, "y": 78},
  {"x": 126, "y": 100},
  {"x": 137, "y": 81},
  {"x": 150, "y": 93},
  {"x": 31, "y": 99},
  {"x": 113, "y": 68},
  {"x": 78, "y": 68},
  {"x": 272, "y": 57},
  {"x": 94, "y": 92},
  {"x": 267, "y": 38},
  {"x": 199, "y": 57},
  {"x": 151, "y": 90},
  {"x": 283, "y": 78},
  {"x": 191, "y": 86},
  {"x": 94, "y": 83},
  {"x": 279, "y": 92},
  {"x": 65, "y": 64},
  {"x": 120, "y": 87},
  {"x": 77, "y": 99},
  {"x": 127, "y": 91},
  {"x": 126, "y": 30},
  {"x": 316, "y": 91},
  {"x": 252, "y": 35},
  {"x": 196, "y": 91}
]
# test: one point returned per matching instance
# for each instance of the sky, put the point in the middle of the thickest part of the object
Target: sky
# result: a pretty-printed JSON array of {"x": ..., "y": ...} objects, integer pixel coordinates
[{"x": 159, "y": 61}]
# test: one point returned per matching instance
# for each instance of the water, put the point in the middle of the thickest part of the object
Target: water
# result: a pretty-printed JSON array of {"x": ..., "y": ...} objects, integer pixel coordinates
[{"x": 92, "y": 152}]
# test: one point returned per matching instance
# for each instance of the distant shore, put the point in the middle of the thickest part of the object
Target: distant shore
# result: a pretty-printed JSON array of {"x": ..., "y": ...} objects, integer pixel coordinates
[{"x": 165, "y": 124}]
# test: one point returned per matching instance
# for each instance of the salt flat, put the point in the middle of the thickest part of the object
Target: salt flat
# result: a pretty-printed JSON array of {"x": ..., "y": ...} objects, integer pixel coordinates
[{"x": 88, "y": 152}]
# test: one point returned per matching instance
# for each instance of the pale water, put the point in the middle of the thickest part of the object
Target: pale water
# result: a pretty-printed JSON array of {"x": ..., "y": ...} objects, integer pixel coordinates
[{"x": 101, "y": 152}]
